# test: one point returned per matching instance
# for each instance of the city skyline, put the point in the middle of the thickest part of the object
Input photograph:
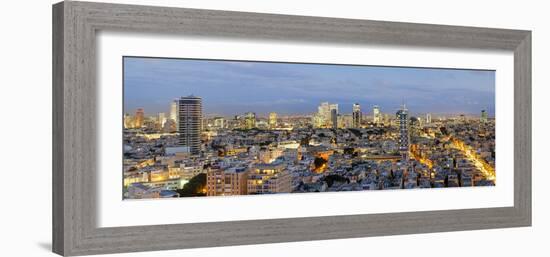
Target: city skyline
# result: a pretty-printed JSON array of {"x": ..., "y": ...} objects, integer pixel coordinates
[
  {"x": 291, "y": 88},
  {"x": 330, "y": 146}
]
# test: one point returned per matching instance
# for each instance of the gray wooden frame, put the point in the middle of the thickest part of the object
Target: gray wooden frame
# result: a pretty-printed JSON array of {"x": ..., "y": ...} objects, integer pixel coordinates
[{"x": 74, "y": 130}]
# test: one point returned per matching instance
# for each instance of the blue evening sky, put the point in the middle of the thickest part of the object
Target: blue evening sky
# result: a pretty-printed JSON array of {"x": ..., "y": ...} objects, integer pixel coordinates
[{"x": 233, "y": 87}]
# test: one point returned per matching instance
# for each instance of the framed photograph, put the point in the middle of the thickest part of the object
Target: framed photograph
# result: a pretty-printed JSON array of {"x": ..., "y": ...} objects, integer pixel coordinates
[{"x": 184, "y": 128}]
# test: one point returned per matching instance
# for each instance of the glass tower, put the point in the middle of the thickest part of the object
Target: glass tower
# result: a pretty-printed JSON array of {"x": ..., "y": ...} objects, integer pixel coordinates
[{"x": 357, "y": 115}]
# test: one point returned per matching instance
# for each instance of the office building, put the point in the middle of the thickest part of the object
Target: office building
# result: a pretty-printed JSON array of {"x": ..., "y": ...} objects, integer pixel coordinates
[
  {"x": 324, "y": 116},
  {"x": 334, "y": 118},
  {"x": 324, "y": 111},
  {"x": 484, "y": 116},
  {"x": 272, "y": 120},
  {"x": 174, "y": 111},
  {"x": 140, "y": 115},
  {"x": 322, "y": 119},
  {"x": 376, "y": 115},
  {"x": 333, "y": 107},
  {"x": 318, "y": 120},
  {"x": 128, "y": 121},
  {"x": 357, "y": 115},
  {"x": 161, "y": 119},
  {"x": 250, "y": 120}
]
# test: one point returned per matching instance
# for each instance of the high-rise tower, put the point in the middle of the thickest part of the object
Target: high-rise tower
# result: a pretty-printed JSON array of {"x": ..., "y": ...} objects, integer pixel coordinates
[
  {"x": 324, "y": 114},
  {"x": 161, "y": 119},
  {"x": 357, "y": 115},
  {"x": 376, "y": 116},
  {"x": 138, "y": 121},
  {"x": 174, "y": 111},
  {"x": 403, "y": 141},
  {"x": 250, "y": 120},
  {"x": 334, "y": 118},
  {"x": 484, "y": 116},
  {"x": 272, "y": 120},
  {"x": 189, "y": 122}
]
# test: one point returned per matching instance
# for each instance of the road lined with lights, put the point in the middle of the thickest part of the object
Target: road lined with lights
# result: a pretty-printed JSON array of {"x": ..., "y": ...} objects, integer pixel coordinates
[{"x": 481, "y": 164}]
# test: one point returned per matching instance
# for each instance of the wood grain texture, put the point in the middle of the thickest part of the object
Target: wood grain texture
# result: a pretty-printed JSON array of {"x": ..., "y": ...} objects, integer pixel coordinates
[
  {"x": 75, "y": 25},
  {"x": 522, "y": 129},
  {"x": 58, "y": 230}
]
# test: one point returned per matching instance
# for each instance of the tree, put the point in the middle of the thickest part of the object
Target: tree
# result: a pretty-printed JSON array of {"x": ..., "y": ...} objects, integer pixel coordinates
[
  {"x": 349, "y": 150},
  {"x": 318, "y": 162},
  {"x": 265, "y": 143},
  {"x": 305, "y": 141},
  {"x": 330, "y": 179},
  {"x": 195, "y": 186}
]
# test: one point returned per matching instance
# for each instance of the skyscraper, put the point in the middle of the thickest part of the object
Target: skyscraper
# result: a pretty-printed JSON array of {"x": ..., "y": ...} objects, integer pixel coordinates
[
  {"x": 161, "y": 119},
  {"x": 272, "y": 120},
  {"x": 250, "y": 120},
  {"x": 138, "y": 122},
  {"x": 128, "y": 121},
  {"x": 357, "y": 115},
  {"x": 403, "y": 141},
  {"x": 324, "y": 114},
  {"x": 189, "y": 122},
  {"x": 484, "y": 116},
  {"x": 333, "y": 115},
  {"x": 318, "y": 120},
  {"x": 334, "y": 118},
  {"x": 428, "y": 118},
  {"x": 333, "y": 107},
  {"x": 376, "y": 116},
  {"x": 174, "y": 111}
]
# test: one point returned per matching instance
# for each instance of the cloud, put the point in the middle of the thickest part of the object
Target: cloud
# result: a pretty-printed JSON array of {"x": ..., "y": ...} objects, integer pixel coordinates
[{"x": 232, "y": 86}]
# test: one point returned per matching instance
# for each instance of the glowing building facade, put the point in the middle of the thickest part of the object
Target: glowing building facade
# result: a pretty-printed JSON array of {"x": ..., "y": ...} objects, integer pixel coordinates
[
  {"x": 377, "y": 116},
  {"x": 174, "y": 111},
  {"x": 232, "y": 181},
  {"x": 484, "y": 116},
  {"x": 326, "y": 116},
  {"x": 268, "y": 179},
  {"x": 250, "y": 120},
  {"x": 272, "y": 120},
  {"x": 161, "y": 119},
  {"x": 220, "y": 123},
  {"x": 140, "y": 115},
  {"x": 357, "y": 115}
]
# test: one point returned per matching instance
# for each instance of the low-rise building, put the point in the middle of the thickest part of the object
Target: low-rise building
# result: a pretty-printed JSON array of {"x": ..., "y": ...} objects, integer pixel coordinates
[{"x": 231, "y": 181}]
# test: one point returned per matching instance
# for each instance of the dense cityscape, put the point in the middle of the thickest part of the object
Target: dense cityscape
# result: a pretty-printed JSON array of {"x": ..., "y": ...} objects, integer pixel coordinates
[{"x": 185, "y": 152}]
